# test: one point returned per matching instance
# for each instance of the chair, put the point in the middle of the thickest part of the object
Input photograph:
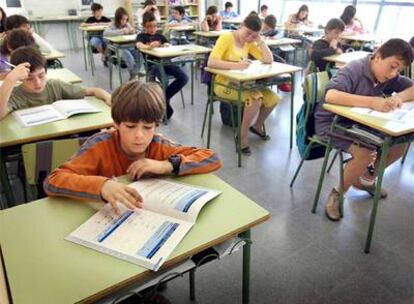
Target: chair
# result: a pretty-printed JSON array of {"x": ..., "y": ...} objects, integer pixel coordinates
[{"x": 41, "y": 158}]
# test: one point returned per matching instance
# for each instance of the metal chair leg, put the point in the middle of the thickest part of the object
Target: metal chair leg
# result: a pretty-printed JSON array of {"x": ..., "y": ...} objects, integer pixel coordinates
[
  {"x": 308, "y": 147},
  {"x": 322, "y": 176},
  {"x": 332, "y": 161},
  {"x": 182, "y": 98}
]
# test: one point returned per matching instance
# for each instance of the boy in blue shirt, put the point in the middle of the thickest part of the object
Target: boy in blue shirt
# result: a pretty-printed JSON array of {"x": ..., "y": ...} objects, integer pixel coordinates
[{"x": 151, "y": 39}]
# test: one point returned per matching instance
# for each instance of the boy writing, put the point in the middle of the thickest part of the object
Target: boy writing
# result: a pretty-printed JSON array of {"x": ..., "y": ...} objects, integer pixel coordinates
[
  {"x": 35, "y": 89},
  {"x": 133, "y": 148},
  {"x": 363, "y": 83},
  {"x": 151, "y": 39}
]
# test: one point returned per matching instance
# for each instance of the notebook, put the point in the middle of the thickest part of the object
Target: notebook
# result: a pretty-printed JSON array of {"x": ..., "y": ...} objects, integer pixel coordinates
[
  {"x": 145, "y": 237},
  {"x": 402, "y": 115}
]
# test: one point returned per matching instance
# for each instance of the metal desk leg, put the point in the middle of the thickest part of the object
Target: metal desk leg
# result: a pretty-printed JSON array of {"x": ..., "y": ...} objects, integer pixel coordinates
[
  {"x": 4, "y": 178},
  {"x": 84, "y": 50},
  {"x": 164, "y": 84},
  {"x": 246, "y": 267},
  {"x": 118, "y": 59},
  {"x": 192, "y": 82},
  {"x": 292, "y": 105},
  {"x": 382, "y": 165},
  {"x": 210, "y": 110},
  {"x": 239, "y": 121},
  {"x": 69, "y": 33}
]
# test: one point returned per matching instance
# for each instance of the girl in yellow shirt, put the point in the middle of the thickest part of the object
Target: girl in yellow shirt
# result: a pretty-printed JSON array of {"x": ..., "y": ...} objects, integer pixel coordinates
[{"x": 231, "y": 52}]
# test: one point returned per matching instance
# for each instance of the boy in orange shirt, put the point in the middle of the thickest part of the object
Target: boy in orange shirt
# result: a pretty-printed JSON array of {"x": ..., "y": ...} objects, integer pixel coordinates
[{"x": 133, "y": 148}]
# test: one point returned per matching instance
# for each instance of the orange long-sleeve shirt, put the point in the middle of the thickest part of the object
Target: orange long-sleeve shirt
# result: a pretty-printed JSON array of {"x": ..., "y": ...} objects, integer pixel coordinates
[{"x": 101, "y": 158}]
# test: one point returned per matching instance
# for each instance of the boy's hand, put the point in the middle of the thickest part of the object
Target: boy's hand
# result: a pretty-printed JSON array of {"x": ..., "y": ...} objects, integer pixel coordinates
[
  {"x": 113, "y": 192},
  {"x": 143, "y": 166},
  {"x": 382, "y": 104},
  {"x": 19, "y": 73},
  {"x": 155, "y": 44},
  {"x": 334, "y": 44},
  {"x": 396, "y": 101}
]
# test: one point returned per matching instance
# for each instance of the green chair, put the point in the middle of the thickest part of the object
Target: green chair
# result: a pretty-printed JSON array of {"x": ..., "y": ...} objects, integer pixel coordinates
[{"x": 41, "y": 158}]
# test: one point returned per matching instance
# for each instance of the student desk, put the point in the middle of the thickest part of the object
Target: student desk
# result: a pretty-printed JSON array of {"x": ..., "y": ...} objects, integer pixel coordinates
[
  {"x": 363, "y": 38},
  {"x": 53, "y": 59},
  {"x": 249, "y": 81},
  {"x": 395, "y": 133},
  {"x": 12, "y": 135},
  {"x": 69, "y": 22},
  {"x": 171, "y": 55},
  {"x": 342, "y": 59},
  {"x": 234, "y": 22},
  {"x": 281, "y": 42},
  {"x": 210, "y": 36},
  {"x": 87, "y": 33},
  {"x": 42, "y": 267},
  {"x": 115, "y": 44},
  {"x": 63, "y": 74}
]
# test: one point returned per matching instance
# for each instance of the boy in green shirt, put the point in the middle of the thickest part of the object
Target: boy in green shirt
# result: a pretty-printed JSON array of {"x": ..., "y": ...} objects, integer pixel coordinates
[{"x": 35, "y": 89}]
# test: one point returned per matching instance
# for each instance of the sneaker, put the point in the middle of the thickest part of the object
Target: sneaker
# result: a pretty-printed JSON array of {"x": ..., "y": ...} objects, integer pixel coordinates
[
  {"x": 285, "y": 87},
  {"x": 371, "y": 190},
  {"x": 332, "y": 206}
]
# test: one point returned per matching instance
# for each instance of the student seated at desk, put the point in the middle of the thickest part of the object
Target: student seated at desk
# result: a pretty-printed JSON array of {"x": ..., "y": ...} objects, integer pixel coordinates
[
  {"x": 119, "y": 27},
  {"x": 364, "y": 83},
  {"x": 98, "y": 18},
  {"x": 148, "y": 6},
  {"x": 412, "y": 42},
  {"x": 352, "y": 24},
  {"x": 21, "y": 22},
  {"x": 263, "y": 11},
  {"x": 300, "y": 18},
  {"x": 269, "y": 26},
  {"x": 212, "y": 21},
  {"x": 329, "y": 44},
  {"x": 14, "y": 39},
  {"x": 3, "y": 17},
  {"x": 34, "y": 89},
  {"x": 150, "y": 39},
  {"x": 178, "y": 18},
  {"x": 133, "y": 148},
  {"x": 231, "y": 52},
  {"x": 228, "y": 13}
]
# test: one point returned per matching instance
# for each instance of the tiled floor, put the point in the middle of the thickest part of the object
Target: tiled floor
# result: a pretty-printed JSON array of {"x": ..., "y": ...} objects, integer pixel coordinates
[{"x": 297, "y": 256}]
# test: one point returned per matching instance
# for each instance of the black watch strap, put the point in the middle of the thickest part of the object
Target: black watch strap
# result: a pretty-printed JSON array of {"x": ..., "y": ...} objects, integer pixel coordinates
[{"x": 175, "y": 161}]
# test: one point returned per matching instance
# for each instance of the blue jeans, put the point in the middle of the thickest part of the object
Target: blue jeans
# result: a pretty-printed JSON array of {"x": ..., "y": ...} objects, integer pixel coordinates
[
  {"x": 130, "y": 56},
  {"x": 97, "y": 41},
  {"x": 180, "y": 79}
]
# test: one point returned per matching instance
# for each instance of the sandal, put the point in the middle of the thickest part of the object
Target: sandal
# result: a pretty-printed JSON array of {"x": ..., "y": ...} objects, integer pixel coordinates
[
  {"x": 263, "y": 136},
  {"x": 246, "y": 150}
]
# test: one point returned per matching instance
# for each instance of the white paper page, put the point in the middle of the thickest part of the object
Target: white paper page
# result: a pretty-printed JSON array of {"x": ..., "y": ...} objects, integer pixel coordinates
[
  {"x": 37, "y": 115},
  {"x": 173, "y": 199},
  {"x": 69, "y": 107},
  {"x": 403, "y": 114},
  {"x": 256, "y": 67},
  {"x": 141, "y": 237},
  {"x": 173, "y": 48}
]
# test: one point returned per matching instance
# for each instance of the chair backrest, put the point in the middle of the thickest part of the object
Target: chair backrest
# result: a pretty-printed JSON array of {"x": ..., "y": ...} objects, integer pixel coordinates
[
  {"x": 314, "y": 86},
  {"x": 42, "y": 157}
]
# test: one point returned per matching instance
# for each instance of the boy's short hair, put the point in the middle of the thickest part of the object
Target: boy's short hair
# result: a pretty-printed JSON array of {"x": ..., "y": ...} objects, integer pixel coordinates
[
  {"x": 180, "y": 9},
  {"x": 149, "y": 2},
  {"x": 253, "y": 22},
  {"x": 137, "y": 101},
  {"x": 412, "y": 42},
  {"x": 397, "y": 47},
  {"x": 17, "y": 38},
  {"x": 28, "y": 54},
  {"x": 228, "y": 4},
  {"x": 270, "y": 21},
  {"x": 148, "y": 17},
  {"x": 15, "y": 21},
  {"x": 335, "y": 24},
  {"x": 264, "y": 7},
  {"x": 96, "y": 7}
]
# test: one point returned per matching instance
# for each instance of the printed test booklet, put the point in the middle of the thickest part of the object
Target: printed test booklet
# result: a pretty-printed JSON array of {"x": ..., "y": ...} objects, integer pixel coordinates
[
  {"x": 145, "y": 237},
  {"x": 402, "y": 115},
  {"x": 58, "y": 110}
]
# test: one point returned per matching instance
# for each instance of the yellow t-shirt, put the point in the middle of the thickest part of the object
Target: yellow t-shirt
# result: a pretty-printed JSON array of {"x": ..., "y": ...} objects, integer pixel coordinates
[{"x": 226, "y": 49}]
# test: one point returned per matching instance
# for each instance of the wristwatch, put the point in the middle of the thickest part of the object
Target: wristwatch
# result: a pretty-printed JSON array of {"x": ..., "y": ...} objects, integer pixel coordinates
[{"x": 175, "y": 161}]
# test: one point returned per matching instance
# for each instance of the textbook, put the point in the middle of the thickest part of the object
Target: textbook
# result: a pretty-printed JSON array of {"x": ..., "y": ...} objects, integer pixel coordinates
[
  {"x": 148, "y": 235},
  {"x": 58, "y": 110},
  {"x": 402, "y": 115}
]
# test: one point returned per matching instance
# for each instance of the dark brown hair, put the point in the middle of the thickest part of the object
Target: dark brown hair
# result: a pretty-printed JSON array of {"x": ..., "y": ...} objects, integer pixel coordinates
[
  {"x": 3, "y": 19},
  {"x": 270, "y": 21},
  {"x": 396, "y": 47},
  {"x": 211, "y": 10},
  {"x": 253, "y": 22},
  {"x": 303, "y": 8},
  {"x": 335, "y": 24},
  {"x": 16, "y": 38},
  {"x": 28, "y": 54},
  {"x": 137, "y": 101},
  {"x": 148, "y": 17},
  {"x": 96, "y": 7},
  {"x": 120, "y": 11},
  {"x": 263, "y": 7},
  {"x": 15, "y": 21}
]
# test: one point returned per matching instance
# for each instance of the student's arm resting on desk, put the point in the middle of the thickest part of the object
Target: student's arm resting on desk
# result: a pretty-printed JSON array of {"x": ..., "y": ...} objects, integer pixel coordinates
[
  {"x": 17, "y": 74},
  {"x": 193, "y": 160},
  {"x": 319, "y": 50},
  {"x": 99, "y": 93}
]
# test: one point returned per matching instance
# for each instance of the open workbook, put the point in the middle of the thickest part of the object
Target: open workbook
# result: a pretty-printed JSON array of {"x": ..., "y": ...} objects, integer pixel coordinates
[
  {"x": 58, "y": 110},
  {"x": 145, "y": 237},
  {"x": 403, "y": 114}
]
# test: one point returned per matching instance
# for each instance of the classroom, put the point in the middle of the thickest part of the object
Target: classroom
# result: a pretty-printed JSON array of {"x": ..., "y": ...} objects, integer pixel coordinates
[{"x": 206, "y": 151}]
